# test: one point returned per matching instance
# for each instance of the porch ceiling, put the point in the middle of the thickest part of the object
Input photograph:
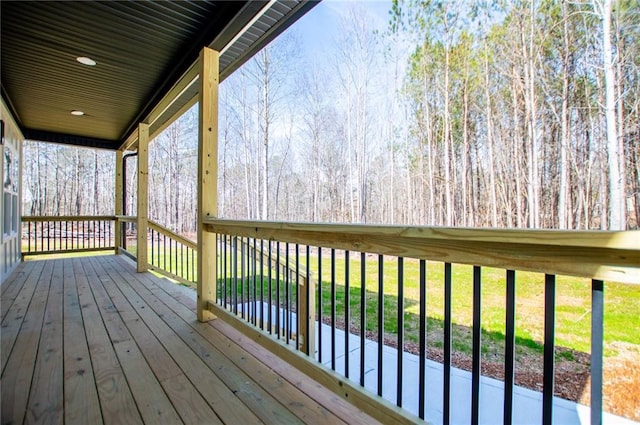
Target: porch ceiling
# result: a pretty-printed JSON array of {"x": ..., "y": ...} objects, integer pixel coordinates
[{"x": 141, "y": 49}]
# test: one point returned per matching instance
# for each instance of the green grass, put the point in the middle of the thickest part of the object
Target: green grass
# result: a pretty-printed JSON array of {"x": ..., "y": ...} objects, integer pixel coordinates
[{"x": 573, "y": 304}]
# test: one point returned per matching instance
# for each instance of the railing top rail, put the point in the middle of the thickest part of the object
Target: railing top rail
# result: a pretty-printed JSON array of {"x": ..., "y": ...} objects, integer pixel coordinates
[
  {"x": 613, "y": 256},
  {"x": 186, "y": 242},
  {"x": 42, "y": 218},
  {"x": 126, "y": 218}
]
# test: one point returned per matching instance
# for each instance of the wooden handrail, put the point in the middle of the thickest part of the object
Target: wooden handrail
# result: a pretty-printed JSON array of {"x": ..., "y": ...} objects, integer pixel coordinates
[
  {"x": 40, "y": 218},
  {"x": 126, "y": 218},
  {"x": 612, "y": 256},
  {"x": 161, "y": 229}
]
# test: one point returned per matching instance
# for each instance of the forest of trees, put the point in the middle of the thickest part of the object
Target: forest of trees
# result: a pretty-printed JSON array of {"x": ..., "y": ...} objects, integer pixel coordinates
[{"x": 455, "y": 113}]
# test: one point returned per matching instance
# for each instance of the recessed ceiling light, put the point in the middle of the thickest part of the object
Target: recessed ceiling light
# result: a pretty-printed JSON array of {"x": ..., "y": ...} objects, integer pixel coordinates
[
  {"x": 86, "y": 61},
  {"x": 77, "y": 113}
]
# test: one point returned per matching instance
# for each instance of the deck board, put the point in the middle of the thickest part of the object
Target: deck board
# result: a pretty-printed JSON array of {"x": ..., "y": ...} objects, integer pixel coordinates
[{"x": 90, "y": 340}]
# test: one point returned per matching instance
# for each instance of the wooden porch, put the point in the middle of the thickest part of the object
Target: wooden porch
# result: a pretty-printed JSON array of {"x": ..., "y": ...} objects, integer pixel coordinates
[{"x": 88, "y": 340}]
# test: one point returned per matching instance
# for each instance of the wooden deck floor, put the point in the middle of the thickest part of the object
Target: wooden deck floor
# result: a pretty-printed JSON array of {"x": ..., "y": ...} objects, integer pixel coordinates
[{"x": 88, "y": 340}]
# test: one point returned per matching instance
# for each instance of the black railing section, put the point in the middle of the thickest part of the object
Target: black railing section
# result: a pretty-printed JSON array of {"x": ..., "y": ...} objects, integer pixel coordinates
[
  {"x": 171, "y": 254},
  {"x": 49, "y": 235},
  {"x": 259, "y": 282}
]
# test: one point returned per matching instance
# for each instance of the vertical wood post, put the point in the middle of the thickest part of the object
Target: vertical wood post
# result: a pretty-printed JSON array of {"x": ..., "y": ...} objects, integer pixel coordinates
[
  {"x": 119, "y": 201},
  {"x": 207, "y": 179},
  {"x": 143, "y": 196},
  {"x": 307, "y": 315}
]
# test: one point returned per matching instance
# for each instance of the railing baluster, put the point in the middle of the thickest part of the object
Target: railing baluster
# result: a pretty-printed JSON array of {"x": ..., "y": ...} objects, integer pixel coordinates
[
  {"x": 278, "y": 288},
  {"x": 255, "y": 283},
  {"x": 422, "y": 342},
  {"x": 333, "y": 309},
  {"x": 549, "y": 348},
  {"x": 347, "y": 316},
  {"x": 509, "y": 346},
  {"x": 153, "y": 263},
  {"x": 319, "y": 304},
  {"x": 29, "y": 237},
  {"x": 446, "y": 396},
  {"x": 476, "y": 347},
  {"x": 298, "y": 330},
  {"x": 363, "y": 314},
  {"x": 287, "y": 282},
  {"x": 49, "y": 235},
  {"x": 597, "y": 338},
  {"x": 262, "y": 284},
  {"x": 234, "y": 282},
  {"x": 380, "y": 320},
  {"x": 242, "y": 277},
  {"x": 399, "y": 377},
  {"x": 225, "y": 250},
  {"x": 307, "y": 321},
  {"x": 269, "y": 290}
]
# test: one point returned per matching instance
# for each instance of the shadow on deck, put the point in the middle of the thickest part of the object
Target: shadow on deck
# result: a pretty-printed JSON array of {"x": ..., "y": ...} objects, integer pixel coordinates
[{"x": 88, "y": 340}]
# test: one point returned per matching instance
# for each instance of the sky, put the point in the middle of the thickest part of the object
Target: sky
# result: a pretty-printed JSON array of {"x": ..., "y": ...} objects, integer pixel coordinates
[{"x": 319, "y": 28}]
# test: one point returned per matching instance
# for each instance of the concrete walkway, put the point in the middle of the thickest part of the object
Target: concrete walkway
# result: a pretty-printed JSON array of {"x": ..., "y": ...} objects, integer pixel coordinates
[{"x": 527, "y": 404}]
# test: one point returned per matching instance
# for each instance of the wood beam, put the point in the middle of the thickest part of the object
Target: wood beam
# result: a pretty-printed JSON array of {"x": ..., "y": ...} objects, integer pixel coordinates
[
  {"x": 119, "y": 201},
  {"x": 207, "y": 179},
  {"x": 143, "y": 196}
]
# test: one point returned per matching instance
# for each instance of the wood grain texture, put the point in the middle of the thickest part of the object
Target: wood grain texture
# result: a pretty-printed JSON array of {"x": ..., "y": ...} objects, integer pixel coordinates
[
  {"x": 47, "y": 390},
  {"x": 143, "y": 196},
  {"x": 207, "y": 184},
  {"x": 116, "y": 400},
  {"x": 610, "y": 256},
  {"x": 119, "y": 200},
  {"x": 101, "y": 343},
  {"x": 376, "y": 407},
  {"x": 18, "y": 372},
  {"x": 81, "y": 404}
]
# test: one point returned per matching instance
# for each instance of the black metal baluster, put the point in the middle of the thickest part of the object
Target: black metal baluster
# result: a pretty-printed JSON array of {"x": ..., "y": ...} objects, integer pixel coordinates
[
  {"x": 29, "y": 237},
  {"x": 269, "y": 289},
  {"x": 234, "y": 265},
  {"x": 476, "y": 348},
  {"x": 509, "y": 347},
  {"x": 182, "y": 259},
  {"x": 84, "y": 234},
  {"x": 333, "y": 309},
  {"x": 224, "y": 272},
  {"x": 363, "y": 313},
  {"x": 549, "y": 348},
  {"x": 307, "y": 320},
  {"x": 399, "y": 377},
  {"x": 49, "y": 235},
  {"x": 287, "y": 300},
  {"x": 597, "y": 338},
  {"x": 446, "y": 396},
  {"x": 298, "y": 330},
  {"x": 262, "y": 284},
  {"x": 422, "y": 342},
  {"x": 242, "y": 277},
  {"x": 164, "y": 251},
  {"x": 380, "y": 319},
  {"x": 347, "y": 317},
  {"x": 255, "y": 283},
  {"x": 153, "y": 236},
  {"x": 278, "y": 288},
  {"x": 319, "y": 311}
]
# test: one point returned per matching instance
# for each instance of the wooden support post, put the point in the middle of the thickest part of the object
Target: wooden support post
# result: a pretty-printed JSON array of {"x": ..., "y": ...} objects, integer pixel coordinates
[
  {"x": 119, "y": 201},
  {"x": 307, "y": 339},
  {"x": 207, "y": 180},
  {"x": 143, "y": 196}
]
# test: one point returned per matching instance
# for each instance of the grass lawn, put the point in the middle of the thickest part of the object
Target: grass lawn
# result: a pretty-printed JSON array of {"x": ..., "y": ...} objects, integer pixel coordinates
[{"x": 573, "y": 304}]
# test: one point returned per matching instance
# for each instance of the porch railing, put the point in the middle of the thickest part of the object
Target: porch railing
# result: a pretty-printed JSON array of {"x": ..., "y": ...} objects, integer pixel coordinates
[
  {"x": 168, "y": 253},
  {"x": 64, "y": 234},
  {"x": 251, "y": 288}
]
